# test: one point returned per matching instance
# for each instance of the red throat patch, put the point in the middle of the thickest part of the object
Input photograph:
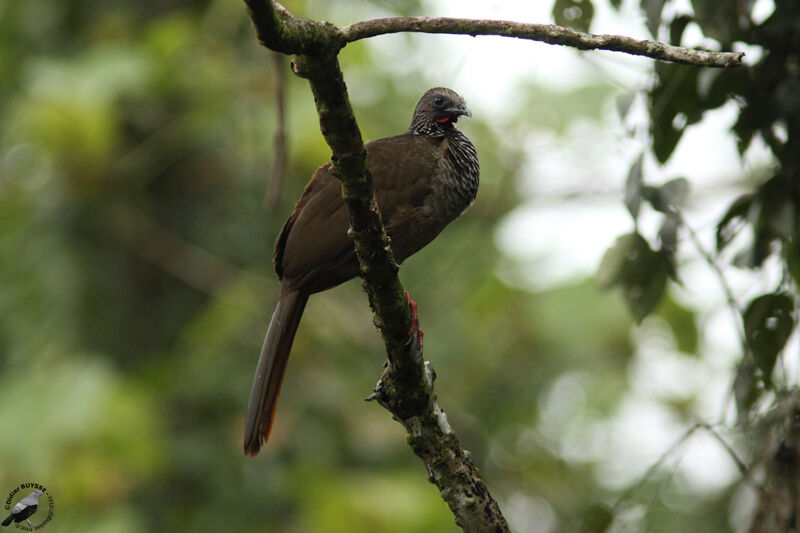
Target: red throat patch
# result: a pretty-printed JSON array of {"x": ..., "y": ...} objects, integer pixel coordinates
[{"x": 444, "y": 119}]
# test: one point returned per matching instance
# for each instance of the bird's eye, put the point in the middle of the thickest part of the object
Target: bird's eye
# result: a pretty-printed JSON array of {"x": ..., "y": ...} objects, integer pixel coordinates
[{"x": 438, "y": 101}]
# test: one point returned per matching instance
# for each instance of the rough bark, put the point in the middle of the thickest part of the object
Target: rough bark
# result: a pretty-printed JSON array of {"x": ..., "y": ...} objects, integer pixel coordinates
[
  {"x": 406, "y": 386},
  {"x": 546, "y": 33}
]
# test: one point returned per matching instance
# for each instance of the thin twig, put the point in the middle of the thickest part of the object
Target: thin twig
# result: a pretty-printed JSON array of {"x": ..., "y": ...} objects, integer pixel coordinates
[
  {"x": 171, "y": 253},
  {"x": 743, "y": 470},
  {"x": 731, "y": 299},
  {"x": 709, "y": 259},
  {"x": 651, "y": 514},
  {"x": 272, "y": 196},
  {"x": 655, "y": 466}
]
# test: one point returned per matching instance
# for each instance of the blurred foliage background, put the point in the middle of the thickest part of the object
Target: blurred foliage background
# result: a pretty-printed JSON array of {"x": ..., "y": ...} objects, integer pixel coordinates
[{"x": 136, "y": 285}]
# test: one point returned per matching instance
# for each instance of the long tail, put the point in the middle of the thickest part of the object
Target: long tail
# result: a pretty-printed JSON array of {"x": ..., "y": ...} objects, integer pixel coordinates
[
  {"x": 270, "y": 369},
  {"x": 8, "y": 520}
]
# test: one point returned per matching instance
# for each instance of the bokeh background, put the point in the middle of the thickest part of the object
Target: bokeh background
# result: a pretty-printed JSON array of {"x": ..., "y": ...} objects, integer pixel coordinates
[{"x": 136, "y": 233}]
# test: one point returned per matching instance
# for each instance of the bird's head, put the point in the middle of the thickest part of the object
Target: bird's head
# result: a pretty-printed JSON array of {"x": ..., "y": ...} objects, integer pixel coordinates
[{"x": 437, "y": 110}]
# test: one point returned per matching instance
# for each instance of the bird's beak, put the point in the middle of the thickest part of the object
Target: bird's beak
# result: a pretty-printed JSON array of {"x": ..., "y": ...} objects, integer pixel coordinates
[{"x": 457, "y": 110}]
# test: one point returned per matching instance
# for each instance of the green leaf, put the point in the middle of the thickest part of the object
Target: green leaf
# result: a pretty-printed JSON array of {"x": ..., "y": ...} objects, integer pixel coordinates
[
  {"x": 633, "y": 187},
  {"x": 576, "y": 14},
  {"x": 683, "y": 323},
  {"x": 612, "y": 265},
  {"x": 676, "y": 28},
  {"x": 718, "y": 18},
  {"x": 775, "y": 220},
  {"x": 674, "y": 192},
  {"x": 762, "y": 248},
  {"x": 652, "y": 11},
  {"x": 623, "y": 103},
  {"x": 768, "y": 322},
  {"x": 745, "y": 388},
  {"x": 778, "y": 215},
  {"x": 783, "y": 219},
  {"x": 596, "y": 519},
  {"x": 665, "y": 139},
  {"x": 650, "y": 194},
  {"x": 745, "y": 258},
  {"x": 733, "y": 220},
  {"x": 643, "y": 291},
  {"x": 676, "y": 93},
  {"x": 668, "y": 234},
  {"x": 670, "y": 195},
  {"x": 752, "y": 118},
  {"x": 791, "y": 254},
  {"x": 641, "y": 272},
  {"x": 786, "y": 98},
  {"x": 726, "y": 83}
]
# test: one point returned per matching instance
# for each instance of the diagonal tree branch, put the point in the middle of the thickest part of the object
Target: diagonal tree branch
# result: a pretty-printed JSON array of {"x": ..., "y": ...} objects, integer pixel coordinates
[
  {"x": 406, "y": 386},
  {"x": 546, "y": 33},
  {"x": 280, "y": 153}
]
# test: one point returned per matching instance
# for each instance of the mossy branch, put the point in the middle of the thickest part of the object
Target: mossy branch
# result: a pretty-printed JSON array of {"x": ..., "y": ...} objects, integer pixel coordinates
[
  {"x": 546, "y": 33},
  {"x": 349, "y": 166},
  {"x": 406, "y": 386},
  {"x": 280, "y": 31}
]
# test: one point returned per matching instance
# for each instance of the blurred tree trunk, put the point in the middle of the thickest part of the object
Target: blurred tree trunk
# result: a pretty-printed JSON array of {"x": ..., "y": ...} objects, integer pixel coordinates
[{"x": 778, "y": 508}]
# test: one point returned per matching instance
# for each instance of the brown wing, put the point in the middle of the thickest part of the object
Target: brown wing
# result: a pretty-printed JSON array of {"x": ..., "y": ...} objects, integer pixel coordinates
[
  {"x": 409, "y": 165},
  {"x": 313, "y": 250},
  {"x": 316, "y": 230}
]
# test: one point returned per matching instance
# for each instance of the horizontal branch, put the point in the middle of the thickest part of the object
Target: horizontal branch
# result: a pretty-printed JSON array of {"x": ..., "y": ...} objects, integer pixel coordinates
[{"x": 546, "y": 33}]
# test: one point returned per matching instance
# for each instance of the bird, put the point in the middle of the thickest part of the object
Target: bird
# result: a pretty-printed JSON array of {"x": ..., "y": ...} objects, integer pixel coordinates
[
  {"x": 423, "y": 179},
  {"x": 24, "y": 509}
]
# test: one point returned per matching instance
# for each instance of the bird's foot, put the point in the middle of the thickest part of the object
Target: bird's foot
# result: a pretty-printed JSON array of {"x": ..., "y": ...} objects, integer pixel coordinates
[{"x": 414, "y": 322}]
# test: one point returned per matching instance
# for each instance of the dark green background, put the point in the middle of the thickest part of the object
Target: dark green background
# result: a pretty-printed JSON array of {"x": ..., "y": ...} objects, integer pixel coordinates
[{"x": 136, "y": 285}]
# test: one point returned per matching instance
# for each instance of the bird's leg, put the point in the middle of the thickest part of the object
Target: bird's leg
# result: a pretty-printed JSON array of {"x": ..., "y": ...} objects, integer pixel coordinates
[
  {"x": 28, "y": 520},
  {"x": 414, "y": 322}
]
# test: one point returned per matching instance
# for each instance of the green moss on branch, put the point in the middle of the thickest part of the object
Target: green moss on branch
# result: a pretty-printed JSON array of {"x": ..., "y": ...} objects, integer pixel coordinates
[
  {"x": 278, "y": 30},
  {"x": 406, "y": 387}
]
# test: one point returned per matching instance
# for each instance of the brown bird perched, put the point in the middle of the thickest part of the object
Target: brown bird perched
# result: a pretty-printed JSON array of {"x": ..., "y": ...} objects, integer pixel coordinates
[{"x": 423, "y": 179}]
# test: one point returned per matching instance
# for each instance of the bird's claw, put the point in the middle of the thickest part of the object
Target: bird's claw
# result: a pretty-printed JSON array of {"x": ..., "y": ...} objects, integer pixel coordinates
[{"x": 414, "y": 323}]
